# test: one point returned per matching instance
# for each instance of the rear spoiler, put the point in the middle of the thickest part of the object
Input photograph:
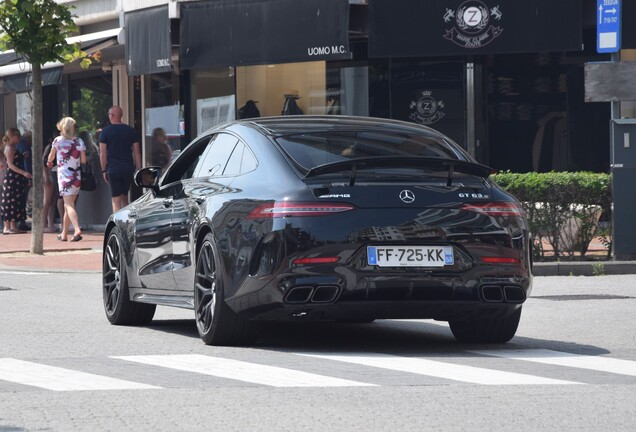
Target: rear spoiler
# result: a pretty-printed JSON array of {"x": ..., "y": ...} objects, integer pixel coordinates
[{"x": 451, "y": 165}]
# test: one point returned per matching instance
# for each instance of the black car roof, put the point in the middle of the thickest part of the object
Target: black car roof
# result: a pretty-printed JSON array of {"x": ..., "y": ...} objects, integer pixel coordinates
[{"x": 291, "y": 125}]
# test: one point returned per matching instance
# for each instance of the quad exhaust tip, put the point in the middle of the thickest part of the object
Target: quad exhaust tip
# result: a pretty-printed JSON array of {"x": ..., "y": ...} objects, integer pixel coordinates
[
  {"x": 310, "y": 294},
  {"x": 501, "y": 294},
  {"x": 492, "y": 293},
  {"x": 514, "y": 294}
]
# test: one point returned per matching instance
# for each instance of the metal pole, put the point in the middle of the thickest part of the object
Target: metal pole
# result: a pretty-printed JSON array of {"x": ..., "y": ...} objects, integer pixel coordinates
[
  {"x": 470, "y": 109},
  {"x": 615, "y": 105},
  {"x": 615, "y": 108}
]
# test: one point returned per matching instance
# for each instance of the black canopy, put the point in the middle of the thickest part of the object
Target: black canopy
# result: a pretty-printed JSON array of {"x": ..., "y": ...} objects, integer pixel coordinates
[
  {"x": 22, "y": 82},
  {"x": 248, "y": 32},
  {"x": 8, "y": 57},
  {"x": 148, "y": 45},
  {"x": 414, "y": 28}
]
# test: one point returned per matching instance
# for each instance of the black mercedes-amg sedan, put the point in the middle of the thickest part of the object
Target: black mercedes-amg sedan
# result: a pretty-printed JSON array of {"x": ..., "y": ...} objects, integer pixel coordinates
[{"x": 320, "y": 218}]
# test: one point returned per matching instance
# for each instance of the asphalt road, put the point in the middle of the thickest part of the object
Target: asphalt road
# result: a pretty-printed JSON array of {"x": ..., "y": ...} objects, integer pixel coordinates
[{"x": 63, "y": 367}]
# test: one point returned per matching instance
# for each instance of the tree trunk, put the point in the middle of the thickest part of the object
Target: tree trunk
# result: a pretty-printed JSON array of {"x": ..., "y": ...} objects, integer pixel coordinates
[{"x": 37, "y": 221}]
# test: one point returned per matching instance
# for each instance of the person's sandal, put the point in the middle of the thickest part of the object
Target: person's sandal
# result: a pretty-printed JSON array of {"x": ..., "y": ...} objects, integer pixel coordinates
[
  {"x": 76, "y": 238},
  {"x": 59, "y": 237}
]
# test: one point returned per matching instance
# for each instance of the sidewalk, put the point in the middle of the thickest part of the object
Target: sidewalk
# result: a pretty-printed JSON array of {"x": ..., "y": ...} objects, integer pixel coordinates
[{"x": 82, "y": 256}]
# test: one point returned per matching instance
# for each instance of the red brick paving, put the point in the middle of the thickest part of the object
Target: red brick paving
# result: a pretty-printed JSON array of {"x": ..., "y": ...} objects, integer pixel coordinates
[{"x": 84, "y": 255}]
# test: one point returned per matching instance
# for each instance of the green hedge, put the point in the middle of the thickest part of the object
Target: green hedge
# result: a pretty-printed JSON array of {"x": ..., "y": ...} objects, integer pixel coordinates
[{"x": 562, "y": 207}]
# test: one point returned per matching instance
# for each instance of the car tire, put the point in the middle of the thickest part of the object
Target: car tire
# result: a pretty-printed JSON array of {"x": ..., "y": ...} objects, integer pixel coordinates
[
  {"x": 120, "y": 310},
  {"x": 486, "y": 330},
  {"x": 217, "y": 324}
]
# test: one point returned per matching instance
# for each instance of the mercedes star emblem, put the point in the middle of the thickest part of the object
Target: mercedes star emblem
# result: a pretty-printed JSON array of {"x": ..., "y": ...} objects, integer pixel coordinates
[{"x": 407, "y": 196}]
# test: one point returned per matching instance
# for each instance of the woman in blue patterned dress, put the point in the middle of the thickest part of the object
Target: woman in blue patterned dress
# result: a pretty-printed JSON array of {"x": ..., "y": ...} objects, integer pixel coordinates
[{"x": 71, "y": 154}]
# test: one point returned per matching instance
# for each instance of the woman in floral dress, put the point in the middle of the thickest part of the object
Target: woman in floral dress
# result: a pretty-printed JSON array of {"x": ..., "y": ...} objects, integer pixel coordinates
[
  {"x": 15, "y": 184},
  {"x": 71, "y": 154}
]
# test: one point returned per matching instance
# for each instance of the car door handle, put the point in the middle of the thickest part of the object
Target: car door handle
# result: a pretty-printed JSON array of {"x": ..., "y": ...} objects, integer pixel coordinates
[
  {"x": 132, "y": 214},
  {"x": 167, "y": 202}
]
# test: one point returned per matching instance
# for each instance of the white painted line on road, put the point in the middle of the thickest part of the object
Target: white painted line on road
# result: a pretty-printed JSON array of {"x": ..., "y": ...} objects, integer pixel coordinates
[
  {"x": 242, "y": 371},
  {"x": 59, "y": 379},
  {"x": 558, "y": 358},
  {"x": 439, "y": 369}
]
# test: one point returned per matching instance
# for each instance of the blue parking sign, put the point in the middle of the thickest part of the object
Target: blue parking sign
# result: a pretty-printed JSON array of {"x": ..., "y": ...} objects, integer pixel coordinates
[{"x": 608, "y": 26}]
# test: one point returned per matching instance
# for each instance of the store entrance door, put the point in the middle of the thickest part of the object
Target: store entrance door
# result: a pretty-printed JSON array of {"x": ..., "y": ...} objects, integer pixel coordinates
[{"x": 430, "y": 93}]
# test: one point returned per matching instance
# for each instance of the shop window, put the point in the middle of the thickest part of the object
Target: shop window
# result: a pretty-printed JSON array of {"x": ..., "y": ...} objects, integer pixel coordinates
[
  {"x": 163, "y": 114},
  {"x": 430, "y": 93},
  {"x": 315, "y": 88},
  {"x": 91, "y": 97},
  {"x": 538, "y": 118},
  {"x": 213, "y": 94},
  {"x": 347, "y": 88}
]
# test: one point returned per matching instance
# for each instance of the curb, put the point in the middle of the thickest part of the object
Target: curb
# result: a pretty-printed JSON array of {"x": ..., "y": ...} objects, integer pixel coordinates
[
  {"x": 584, "y": 268},
  {"x": 11, "y": 252},
  {"x": 31, "y": 270}
]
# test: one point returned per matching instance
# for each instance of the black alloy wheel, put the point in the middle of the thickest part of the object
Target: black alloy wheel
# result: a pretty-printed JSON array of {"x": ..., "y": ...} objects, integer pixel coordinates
[
  {"x": 216, "y": 322},
  {"x": 117, "y": 305}
]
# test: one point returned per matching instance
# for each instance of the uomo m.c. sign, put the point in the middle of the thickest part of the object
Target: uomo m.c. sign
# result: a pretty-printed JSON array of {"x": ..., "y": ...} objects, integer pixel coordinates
[{"x": 326, "y": 50}]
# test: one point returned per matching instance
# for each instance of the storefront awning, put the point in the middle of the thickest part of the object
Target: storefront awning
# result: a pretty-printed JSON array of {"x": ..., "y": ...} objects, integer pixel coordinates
[
  {"x": 148, "y": 46},
  {"x": 416, "y": 28},
  {"x": 249, "y": 32},
  {"x": 22, "y": 82},
  {"x": 8, "y": 57},
  {"x": 13, "y": 65}
]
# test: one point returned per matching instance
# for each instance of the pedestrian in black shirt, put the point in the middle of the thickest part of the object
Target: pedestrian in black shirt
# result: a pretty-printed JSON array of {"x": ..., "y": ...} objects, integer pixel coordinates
[{"x": 120, "y": 156}]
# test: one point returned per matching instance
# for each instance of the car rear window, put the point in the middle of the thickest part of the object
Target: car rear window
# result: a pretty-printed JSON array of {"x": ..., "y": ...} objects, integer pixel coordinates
[{"x": 314, "y": 149}]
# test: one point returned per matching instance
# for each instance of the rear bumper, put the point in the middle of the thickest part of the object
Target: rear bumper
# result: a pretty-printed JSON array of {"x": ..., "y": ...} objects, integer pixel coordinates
[
  {"x": 352, "y": 288},
  {"x": 353, "y": 311},
  {"x": 342, "y": 294}
]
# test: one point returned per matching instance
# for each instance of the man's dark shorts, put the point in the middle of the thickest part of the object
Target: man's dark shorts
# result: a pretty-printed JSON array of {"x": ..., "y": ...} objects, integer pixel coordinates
[{"x": 119, "y": 182}]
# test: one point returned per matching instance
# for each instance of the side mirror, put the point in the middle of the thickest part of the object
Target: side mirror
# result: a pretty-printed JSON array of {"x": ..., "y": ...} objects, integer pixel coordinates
[{"x": 148, "y": 177}]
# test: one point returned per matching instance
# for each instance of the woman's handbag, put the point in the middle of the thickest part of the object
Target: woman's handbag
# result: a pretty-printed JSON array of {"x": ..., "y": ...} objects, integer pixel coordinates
[{"x": 88, "y": 179}]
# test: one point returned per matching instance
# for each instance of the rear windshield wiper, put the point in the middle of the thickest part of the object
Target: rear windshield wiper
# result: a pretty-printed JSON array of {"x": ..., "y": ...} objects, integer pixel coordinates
[{"x": 353, "y": 165}]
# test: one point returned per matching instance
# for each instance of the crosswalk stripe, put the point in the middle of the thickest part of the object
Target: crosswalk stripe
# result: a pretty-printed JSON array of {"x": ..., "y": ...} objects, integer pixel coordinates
[
  {"x": 439, "y": 369},
  {"x": 558, "y": 358},
  {"x": 59, "y": 379},
  {"x": 242, "y": 371}
]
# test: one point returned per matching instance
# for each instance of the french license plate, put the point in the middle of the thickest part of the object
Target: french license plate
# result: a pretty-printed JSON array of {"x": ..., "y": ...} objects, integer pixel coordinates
[{"x": 410, "y": 256}]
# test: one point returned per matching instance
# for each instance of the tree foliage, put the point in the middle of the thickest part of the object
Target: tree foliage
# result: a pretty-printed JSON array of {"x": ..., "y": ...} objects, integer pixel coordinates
[{"x": 37, "y": 30}]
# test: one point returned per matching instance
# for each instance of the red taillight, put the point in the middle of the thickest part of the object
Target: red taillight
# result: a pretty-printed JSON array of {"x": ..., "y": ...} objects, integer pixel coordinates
[
  {"x": 495, "y": 208},
  {"x": 500, "y": 260},
  {"x": 288, "y": 209},
  {"x": 321, "y": 260}
]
